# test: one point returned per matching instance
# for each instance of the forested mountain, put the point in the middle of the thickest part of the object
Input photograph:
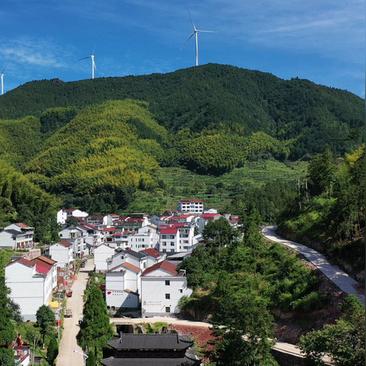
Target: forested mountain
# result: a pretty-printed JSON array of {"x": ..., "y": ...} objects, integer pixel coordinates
[
  {"x": 232, "y": 136},
  {"x": 214, "y": 96}
]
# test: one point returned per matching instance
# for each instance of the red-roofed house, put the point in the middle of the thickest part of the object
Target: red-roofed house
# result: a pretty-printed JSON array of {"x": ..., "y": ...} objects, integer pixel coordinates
[
  {"x": 169, "y": 239},
  {"x": 31, "y": 283},
  {"x": 162, "y": 286}
]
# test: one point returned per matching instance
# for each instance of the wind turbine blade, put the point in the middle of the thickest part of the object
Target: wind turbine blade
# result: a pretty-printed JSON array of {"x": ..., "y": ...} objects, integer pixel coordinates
[
  {"x": 205, "y": 31},
  {"x": 192, "y": 35},
  {"x": 84, "y": 58},
  {"x": 190, "y": 17}
]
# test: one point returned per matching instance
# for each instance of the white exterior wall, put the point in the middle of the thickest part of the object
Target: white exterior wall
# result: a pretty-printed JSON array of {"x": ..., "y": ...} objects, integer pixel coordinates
[
  {"x": 62, "y": 255},
  {"x": 191, "y": 207},
  {"x": 28, "y": 291},
  {"x": 115, "y": 290},
  {"x": 6, "y": 240},
  {"x": 61, "y": 217},
  {"x": 186, "y": 239},
  {"x": 101, "y": 254},
  {"x": 169, "y": 242},
  {"x": 154, "y": 289}
]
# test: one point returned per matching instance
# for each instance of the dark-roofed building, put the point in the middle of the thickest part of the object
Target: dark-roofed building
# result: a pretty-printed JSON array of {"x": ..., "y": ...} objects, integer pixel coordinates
[{"x": 150, "y": 349}]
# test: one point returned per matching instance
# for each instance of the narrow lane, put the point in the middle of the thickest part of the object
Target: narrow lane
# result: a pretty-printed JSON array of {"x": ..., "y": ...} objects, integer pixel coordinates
[
  {"x": 340, "y": 278},
  {"x": 70, "y": 354}
]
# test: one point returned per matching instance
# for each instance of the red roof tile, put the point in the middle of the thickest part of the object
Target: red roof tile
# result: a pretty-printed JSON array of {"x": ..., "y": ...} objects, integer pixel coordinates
[
  {"x": 165, "y": 266},
  {"x": 169, "y": 230},
  {"x": 65, "y": 243},
  {"x": 22, "y": 225},
  {"x": 151, "y": 252},
  {"x": 131, "y": 267}
]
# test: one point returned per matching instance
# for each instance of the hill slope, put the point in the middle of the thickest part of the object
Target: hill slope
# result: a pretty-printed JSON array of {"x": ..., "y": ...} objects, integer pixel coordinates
[{"x": 214, "y": 96}]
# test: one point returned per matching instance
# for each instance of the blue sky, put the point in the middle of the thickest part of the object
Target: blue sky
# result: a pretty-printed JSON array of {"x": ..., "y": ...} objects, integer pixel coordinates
[{"x": 320, "y": 40}]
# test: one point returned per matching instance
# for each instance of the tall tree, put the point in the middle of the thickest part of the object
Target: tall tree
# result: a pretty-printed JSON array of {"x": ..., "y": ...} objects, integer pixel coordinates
[
  {"x": 344, "y": 340},
  {"x": 7, "y": 329},
  {"x": 52, "y": 351},
  {"x": 321, "y": 173},
  {"x": 95, "y": 329},
  {"x": 45, "y": 320}
]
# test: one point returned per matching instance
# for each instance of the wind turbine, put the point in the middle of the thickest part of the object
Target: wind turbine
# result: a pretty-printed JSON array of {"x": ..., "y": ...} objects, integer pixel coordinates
[
  {"x": 2, "y": 73},
  {"x": 93, "y": 64},
  {"x": 195, "y": 33}
]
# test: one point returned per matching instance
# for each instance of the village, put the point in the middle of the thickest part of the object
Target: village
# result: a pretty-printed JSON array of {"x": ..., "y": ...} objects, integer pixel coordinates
[{"x": 136, "y": 258}]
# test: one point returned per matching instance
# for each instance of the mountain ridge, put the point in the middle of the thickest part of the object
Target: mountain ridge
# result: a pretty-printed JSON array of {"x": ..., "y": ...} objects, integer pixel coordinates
[{"x": 212, "y": 96}]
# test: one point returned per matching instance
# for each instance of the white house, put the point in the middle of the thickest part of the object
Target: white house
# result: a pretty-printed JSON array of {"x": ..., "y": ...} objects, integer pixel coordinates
[
  {"x": 161, "y": 289},
  {"x": 64, "y": 214},
  {"x": 62, "y": 252},
  {"x": 138, "y": 259},
  {"x": 31, "y": 283},
  {"x": 187, "y": 238},
  {"x": 191, "y": 206},
  {"x": 77, "y": 236},
  {"x": 146, "y": 237},
  {"x": 123, "y": 286},
  {"x": 169, "y": 239},
  {"x": 17, "y": 236},
  {"x": 101, "y": 254}
]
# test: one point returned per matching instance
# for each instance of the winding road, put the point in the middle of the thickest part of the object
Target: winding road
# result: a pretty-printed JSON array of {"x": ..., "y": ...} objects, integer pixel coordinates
[{"x": 340, "y": 278}]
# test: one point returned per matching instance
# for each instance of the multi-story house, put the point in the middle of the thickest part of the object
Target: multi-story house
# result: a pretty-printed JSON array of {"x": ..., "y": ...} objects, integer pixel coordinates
[
  {"x": 169, "y": 239},
  {"x": 31, "y": 282},
  {"x": 17, "y": 236},
  {"x": 101, "y": 255},
  {"x": 62, "y": 252},
  {"x": 162, "y": 287},
  {"x": 191, "y": 205},
  {"x": 146, "y": 237},
  {"x": 77, "y": 236}
]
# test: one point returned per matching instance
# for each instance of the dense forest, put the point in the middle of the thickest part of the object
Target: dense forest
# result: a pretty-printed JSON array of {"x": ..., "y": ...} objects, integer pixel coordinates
[
  {"x": 237, "y": 138},
  {"x": 214, "y": 97},
  {"x": 329, "y": 209}
]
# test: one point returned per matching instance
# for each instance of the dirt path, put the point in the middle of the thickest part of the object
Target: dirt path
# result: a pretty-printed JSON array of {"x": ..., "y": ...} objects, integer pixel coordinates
[
  {"x": 70, "y": 353},
  {"x": 340, "y": 278}
]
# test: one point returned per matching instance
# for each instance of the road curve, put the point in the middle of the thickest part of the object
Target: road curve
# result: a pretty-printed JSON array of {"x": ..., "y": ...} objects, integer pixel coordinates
[{"x": 340, "y": 278}]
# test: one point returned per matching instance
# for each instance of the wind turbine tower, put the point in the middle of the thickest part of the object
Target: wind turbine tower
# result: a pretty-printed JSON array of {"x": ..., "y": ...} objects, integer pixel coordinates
[
  {"x": 93, "y": 64},
  {"x": 2, "y": 82},
  {"x": 195, "y": 34}
]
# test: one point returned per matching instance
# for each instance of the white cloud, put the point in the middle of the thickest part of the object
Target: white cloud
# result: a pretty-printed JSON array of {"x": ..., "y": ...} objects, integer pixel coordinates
[{"x": 32, "y": 52}]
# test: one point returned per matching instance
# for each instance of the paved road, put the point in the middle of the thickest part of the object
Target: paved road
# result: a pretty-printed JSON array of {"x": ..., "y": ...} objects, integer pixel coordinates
[
  {"x": 340, "y": 278},
  {"x": 70, "y": 353}
]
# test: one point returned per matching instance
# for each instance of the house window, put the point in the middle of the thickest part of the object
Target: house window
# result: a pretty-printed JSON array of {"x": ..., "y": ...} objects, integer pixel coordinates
[
  {"x": 167, "y": 309},
  {"x": 167, "y": 296},
  {"x": 167, "y": 282},
  {"x": 181, "y": 291}
]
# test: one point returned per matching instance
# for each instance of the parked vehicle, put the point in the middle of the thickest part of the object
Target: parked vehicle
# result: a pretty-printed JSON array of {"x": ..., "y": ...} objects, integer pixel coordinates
[{"x": 68, "y": 313}]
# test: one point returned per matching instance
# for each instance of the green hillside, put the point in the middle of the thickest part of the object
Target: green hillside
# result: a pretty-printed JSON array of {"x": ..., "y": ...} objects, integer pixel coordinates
[
  {"x": 225, "y": 134},
  {"x": 101, "y": 156},
  {"x": 214, "y": 96}
]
